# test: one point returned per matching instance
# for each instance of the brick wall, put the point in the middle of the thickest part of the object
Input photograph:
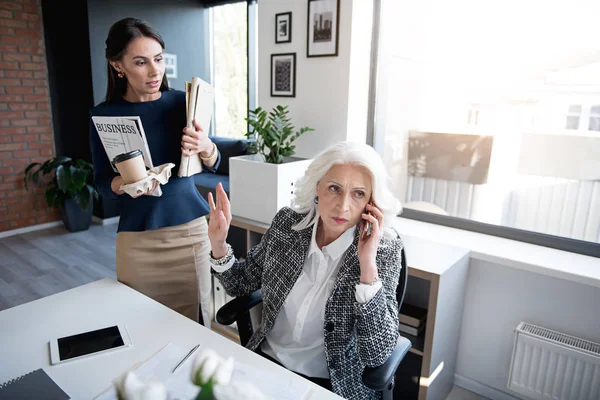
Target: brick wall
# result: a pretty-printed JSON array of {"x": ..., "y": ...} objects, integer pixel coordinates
[{"x": 25, "y": 123}]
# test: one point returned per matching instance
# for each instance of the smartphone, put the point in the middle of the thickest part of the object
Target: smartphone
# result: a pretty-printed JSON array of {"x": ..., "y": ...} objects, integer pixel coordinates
[
  {"x": 369, "y": 225},
  {"x": 86, "y": 344}
]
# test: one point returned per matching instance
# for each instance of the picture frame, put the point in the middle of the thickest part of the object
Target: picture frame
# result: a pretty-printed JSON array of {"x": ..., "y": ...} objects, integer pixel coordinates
[
  {"x": 283, "y": 27},
  {"x": 322, "y": 28},
  {"x": 283, "y": 75},
  {"x": 170, "y": 65}
]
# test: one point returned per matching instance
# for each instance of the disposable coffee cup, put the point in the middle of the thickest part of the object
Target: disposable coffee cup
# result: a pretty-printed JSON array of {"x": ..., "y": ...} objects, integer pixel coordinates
[{"x": 131, "y": 166}]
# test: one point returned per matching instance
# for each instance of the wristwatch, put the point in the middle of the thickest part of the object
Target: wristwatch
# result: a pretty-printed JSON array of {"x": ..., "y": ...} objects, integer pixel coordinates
[{"x": 223, "y": 260}]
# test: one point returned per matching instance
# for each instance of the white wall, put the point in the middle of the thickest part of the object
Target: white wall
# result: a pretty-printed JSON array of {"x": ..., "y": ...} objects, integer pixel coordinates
[
  {"x": 322, "y": 83},
  {"x": 497, "y": 299}
]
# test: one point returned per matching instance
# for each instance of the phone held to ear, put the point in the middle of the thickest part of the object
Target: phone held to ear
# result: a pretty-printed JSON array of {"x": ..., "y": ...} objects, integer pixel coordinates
[{"x": 369, "y": 224}]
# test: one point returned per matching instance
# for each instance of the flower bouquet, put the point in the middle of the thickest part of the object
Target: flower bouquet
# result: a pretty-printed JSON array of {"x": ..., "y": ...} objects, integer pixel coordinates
[{"x": 210, "y": 372}]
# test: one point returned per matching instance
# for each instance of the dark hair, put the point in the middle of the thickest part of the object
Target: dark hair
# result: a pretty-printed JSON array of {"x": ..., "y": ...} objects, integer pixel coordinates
[{"x": 121, "y": 33}]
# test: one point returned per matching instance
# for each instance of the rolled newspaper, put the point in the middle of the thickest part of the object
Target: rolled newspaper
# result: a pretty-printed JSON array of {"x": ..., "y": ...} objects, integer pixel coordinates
[{"x": 199, "y": 98}]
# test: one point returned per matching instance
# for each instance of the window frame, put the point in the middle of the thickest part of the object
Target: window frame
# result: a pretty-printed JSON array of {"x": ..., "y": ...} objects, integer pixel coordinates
[
  {"x": 251, "y": 55},
  {"x": 594, "y": 115},
  {"x": 540, "y": 239},
  {"x": 573, "y": 114}
]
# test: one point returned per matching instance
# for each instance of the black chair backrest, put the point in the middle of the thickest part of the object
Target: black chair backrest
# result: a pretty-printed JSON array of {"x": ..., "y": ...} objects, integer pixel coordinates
[{"x": 401, "y": 289}]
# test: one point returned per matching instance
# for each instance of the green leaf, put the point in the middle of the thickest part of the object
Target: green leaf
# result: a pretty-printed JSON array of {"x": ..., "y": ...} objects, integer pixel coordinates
[
  {"x": 85, "y": 165},
  {"x": 47, "y": 166},
  {"x": 35, "y": 177},
  {"x": 83, "y": 199},
  {"x": 30, "y": 166},
  {"x": 51, "y": 195},
  {"x": 60, "y": 161},
  {"x": 27, "y": 176},
  {"x": 79, "y": 177},
  {"x": 63, "y": 178},
  {"x": 207, "y": 389},
  {"x": 93, "y": 192}
]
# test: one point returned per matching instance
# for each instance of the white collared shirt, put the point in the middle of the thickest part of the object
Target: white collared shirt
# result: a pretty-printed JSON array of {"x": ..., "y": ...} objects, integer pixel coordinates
[{"x": 296, "y": 339}]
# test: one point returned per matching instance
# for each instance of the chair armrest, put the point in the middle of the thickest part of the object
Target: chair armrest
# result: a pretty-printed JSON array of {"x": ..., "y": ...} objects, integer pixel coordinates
[
  {"x": 378, "y": 378},
  {"x": 231, "y": 311}
]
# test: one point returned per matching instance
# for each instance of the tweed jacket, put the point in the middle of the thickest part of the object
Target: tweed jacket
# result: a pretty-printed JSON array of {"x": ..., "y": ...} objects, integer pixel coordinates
[{"x": 356, "y": 335}]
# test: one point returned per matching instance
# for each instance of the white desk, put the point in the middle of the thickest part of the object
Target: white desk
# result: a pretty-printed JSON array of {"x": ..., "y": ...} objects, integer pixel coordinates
[{"x": 27, "y": 329}]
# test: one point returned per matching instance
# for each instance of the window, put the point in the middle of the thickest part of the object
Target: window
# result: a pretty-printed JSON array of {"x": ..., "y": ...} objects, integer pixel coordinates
[
  {"x": 594, "y": 119},
  {"x": 573, "y": 117},
  {"x": 473, "y": 116},
  {"x": 504, "y": 164},
  {"x": 230, "y": 67}
]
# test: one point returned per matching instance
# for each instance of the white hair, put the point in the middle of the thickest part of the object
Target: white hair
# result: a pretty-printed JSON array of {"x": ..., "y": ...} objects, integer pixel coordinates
[{"x": 352, "y": 153}]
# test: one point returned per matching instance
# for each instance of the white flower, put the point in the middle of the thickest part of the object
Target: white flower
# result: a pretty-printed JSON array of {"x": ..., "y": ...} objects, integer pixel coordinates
[
  {"x": 238, "y": 391},
  {"x": 208, "y": 364},
  {"x": 224, "y": 372},
  {"x": 132, "y": 388}
]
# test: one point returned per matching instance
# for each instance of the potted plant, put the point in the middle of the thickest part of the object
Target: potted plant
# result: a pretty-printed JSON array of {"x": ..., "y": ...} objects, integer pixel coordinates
[
  {"x": 70, "y": 189},
  {"x": 263, "y": 182},
  {"x": 272, "y": 134}
]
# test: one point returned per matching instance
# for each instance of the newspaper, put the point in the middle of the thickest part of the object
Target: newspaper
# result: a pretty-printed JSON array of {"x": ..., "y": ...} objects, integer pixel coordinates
[
  {"x": 123, "y": 134},
  {"x": 199, "y": 101}
]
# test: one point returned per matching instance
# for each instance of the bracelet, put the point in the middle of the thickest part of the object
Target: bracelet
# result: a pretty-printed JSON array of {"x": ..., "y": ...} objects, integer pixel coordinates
[
  {"x": 370, "y": 283},
  {"x": 223, "y": 260},
  {"x": 212, "y": 155}
]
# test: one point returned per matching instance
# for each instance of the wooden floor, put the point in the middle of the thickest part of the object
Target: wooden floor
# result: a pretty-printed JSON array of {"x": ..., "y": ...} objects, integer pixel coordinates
[{"x": 37, "y": 264}]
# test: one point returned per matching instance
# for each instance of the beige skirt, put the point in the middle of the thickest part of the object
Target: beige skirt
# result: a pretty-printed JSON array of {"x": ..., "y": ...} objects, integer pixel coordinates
[{"x": 170, "y": 265}]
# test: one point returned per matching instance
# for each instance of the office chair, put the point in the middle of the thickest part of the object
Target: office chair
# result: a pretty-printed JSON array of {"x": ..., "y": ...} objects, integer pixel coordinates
[{"x": 379, "y": 378}]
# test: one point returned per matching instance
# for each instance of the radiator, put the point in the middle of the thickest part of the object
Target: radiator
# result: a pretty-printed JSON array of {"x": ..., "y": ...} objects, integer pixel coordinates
[{"x": 550, "y": 365}]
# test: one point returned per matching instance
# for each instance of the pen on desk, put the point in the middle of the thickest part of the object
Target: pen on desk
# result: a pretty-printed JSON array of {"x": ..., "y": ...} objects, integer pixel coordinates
[{"x": 185, "y": 358}]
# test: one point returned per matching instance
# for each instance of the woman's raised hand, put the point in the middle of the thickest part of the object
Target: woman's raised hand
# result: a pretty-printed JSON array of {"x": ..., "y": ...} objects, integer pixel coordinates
[{"x": 218, "y": 226}]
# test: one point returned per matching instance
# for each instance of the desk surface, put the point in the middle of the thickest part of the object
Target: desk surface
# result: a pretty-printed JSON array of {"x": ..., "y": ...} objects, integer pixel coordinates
[{"x": 27, "y": 329}]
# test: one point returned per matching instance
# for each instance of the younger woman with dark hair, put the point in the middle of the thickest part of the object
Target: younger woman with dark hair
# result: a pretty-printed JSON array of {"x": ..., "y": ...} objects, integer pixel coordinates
[{"x": 162, "y": 242}]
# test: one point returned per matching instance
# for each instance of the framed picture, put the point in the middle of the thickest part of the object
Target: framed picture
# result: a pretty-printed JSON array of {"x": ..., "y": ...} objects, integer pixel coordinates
[
  {"x": 170, "y": 65},
  {"x": 283, "y": 27},
  {"x": 323, "y": 26},
  {"x": 283, "y": 75}
]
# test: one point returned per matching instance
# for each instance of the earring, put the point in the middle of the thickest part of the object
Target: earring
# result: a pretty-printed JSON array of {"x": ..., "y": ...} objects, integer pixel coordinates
[
  {"x": 316, "y": 200},
  {"x": 120, "y": 74}
]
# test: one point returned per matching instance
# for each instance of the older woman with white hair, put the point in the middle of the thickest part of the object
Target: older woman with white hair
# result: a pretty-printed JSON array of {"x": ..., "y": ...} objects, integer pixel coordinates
[{"x": 328, "y": 268}]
